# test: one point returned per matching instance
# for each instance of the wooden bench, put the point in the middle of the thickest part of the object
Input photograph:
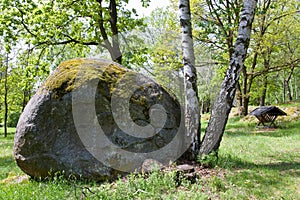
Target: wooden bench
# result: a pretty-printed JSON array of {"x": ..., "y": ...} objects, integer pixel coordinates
[{"x": 267, "y": 115}]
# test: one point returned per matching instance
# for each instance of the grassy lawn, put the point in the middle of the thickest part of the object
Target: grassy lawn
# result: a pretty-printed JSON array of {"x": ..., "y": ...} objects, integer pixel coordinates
[{"x": 253, "y": 164}]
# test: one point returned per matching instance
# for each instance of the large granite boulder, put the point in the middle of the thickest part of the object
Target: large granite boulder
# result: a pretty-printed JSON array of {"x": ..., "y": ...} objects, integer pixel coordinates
[{"x": 95, "y": 119}]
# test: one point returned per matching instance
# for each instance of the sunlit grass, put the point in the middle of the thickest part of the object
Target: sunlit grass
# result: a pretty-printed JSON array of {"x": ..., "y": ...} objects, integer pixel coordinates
[
  {"x": 262, "y": 163},
  {"x": 253, "y": 164},
  {"x": 7, "y": 163}
]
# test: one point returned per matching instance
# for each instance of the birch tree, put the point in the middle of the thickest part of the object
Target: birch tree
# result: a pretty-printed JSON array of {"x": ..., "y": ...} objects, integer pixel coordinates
[
  {"x": 192, "y": 112},
  {"x": 223, "y": 104}
]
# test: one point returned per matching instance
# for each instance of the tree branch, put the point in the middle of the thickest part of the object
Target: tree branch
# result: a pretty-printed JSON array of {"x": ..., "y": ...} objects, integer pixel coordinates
[{"x": 276, "y": 68}]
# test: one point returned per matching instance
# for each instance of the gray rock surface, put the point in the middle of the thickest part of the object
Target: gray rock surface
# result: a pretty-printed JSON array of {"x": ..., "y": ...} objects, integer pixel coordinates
[{"x": 47, "y": 139}]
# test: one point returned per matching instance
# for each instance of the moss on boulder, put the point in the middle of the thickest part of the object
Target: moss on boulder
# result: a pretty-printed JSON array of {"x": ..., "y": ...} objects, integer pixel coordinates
[
  {"x": 62, "y": 80},
  {"x": 47, "y": 139}
]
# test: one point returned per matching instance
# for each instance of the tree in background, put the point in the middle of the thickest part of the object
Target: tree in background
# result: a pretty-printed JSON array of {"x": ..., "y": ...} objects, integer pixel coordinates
[
  {"x": 4, "y": 66},
  {"x": 217, "y": 28},
  {"x": 217, "y": 23},
  {"x": 43, "y": 33},
  {"x": 79, "y": 24},
  {"x": 272, "y": 52},
  {"x": 216, "y": 126},
  {"x": 267, "y": 16},
  {"x": 162, "y": 37}
]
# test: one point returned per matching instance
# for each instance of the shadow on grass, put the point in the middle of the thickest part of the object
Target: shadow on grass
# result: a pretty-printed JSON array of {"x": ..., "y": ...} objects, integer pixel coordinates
[
  {"x": 6, "y": 142},
  {"x": 10, "y": 136},
  {"x": 261, "y": 180},
  {"x": 276, "y": 133},
  {"x": 231, "y": 162},
  {"x": 6, "y": 161},
  {"x": 7, "y": 165},
  {"x": 284, "y": 130}
]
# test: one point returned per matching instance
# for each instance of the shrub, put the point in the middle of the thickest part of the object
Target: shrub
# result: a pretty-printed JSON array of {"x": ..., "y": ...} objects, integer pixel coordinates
[{"x": 13, "y": 119}]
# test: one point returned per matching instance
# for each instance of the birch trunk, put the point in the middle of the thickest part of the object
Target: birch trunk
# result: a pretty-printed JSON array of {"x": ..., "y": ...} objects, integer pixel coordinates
[
  {"x": 192, "y": 109},
  {"x": 223, "y": 104}
]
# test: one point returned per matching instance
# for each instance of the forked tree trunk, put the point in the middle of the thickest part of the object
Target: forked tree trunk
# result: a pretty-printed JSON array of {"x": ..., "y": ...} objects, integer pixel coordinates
[
  {"x": 192, "y": 108},
  {"x": 223, "y": 104},
  {"x": 112, "y": 46}
]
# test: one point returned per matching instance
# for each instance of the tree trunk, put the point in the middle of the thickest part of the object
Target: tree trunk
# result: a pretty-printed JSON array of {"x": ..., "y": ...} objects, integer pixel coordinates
[
  {"x": 288, "y": 90},
  {"x": 5, "y": 97},
  {"x": 262, "y": 100},
  {"x": 202, "y": 107},
  {"x": 267, "y": 57},
  {"x": 287, "y": 84},
  {"x": 114, "y": 46},
  {"x": 192, "y": 108},
  {"x": 24, "y": 103},
  {"x": 245, "y": 103},
  {"x": 117, "y": 55},
  {"x": 284, "y": 91},
  {"x": 205, "y": 104},
  {"x": 244, "y": 91},
  {"x": 296, "y": 88},
  {"x": 223, "y": 104},
  {"x": 238, "y": 96}
]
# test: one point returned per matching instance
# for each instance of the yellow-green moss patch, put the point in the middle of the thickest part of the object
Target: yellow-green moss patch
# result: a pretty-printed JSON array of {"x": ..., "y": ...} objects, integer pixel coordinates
[{"x": 73, "y": 73}]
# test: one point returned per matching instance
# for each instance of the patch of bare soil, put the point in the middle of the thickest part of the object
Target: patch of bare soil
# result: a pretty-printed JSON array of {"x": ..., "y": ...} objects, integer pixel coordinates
[
  {"x": 15, "y": 179},
  {"x": 187, "y": 170},
  {"x": 194, "y": 171}
]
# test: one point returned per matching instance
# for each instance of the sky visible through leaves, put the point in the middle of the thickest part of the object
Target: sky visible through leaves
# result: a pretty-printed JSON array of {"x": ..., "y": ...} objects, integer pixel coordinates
[{"x": 136, "y": 4}]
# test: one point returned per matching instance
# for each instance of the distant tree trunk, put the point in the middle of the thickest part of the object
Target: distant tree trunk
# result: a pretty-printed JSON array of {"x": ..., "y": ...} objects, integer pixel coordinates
[
  {"x": 249, "y": 77},
  {"x": 5, "y": 97},
  {"x": 288, "y": 90},
  {"x": 296, "y": 88},
  {"x": 202, "y": 106},
  {"x": 284, "y": 90},
  {"x": 26, "y": 91},
  {"x": 247, "y": 82},
  {"x": 114, "y": 46},
  {"x": 246, "y": 101},
  {"x": 24, "y": 103},
  {"x": 205, "y": 104},
  {"x": 239, "y": 98},
  {"x": 223, "y": 104},
  {"x": 192, "y": 108},
  {"x": 262, "y": 100},
  {"x": 287, "y": 84},
  {"x": 267, "y": 58}
]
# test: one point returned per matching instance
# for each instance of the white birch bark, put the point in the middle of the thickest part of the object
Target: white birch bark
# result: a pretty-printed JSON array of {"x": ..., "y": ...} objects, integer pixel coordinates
[
  {"x": 216, "y": 126},
  {"x": 192, "y": 112}
]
